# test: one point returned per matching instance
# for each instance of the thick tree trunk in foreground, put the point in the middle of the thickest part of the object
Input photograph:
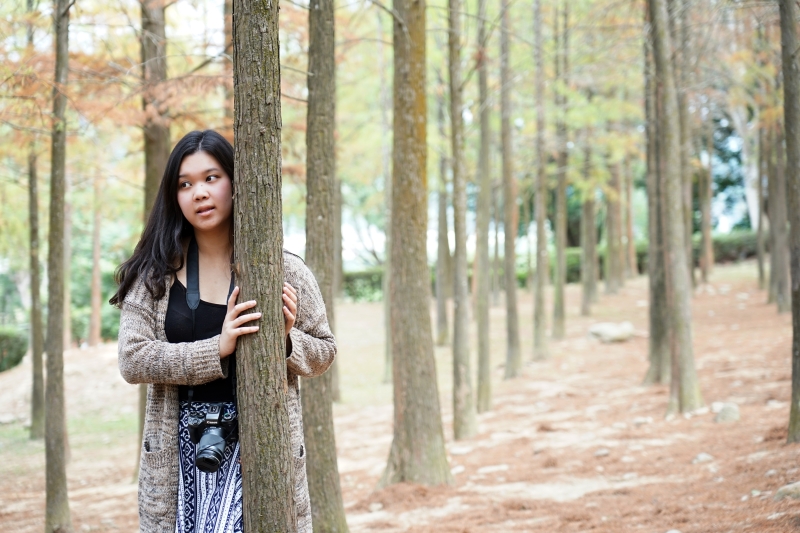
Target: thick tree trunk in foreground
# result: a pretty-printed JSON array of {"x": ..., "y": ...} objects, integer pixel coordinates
[
  {"x": 327, "y": 509},
  {"x": 266, "y": 454},
  {"x": 791, "y": 113},
  {"x": 465, "y": 424},
  {"x": 37, "y": 335},
  {"x": 443, "y": 248},
  {"x": 483, "y": 281},
  {"x": 779, "y": 221},
  {"x": 417, "y": 454},
  {"x": 560, "y": 278},
  {"x": 57, "y": 514},
  {"x": 510, "y": 211},
  {"x": 156, "y": 128},
  {"x": 678, "y": 279},
  {"x": 94, "y": 320},
  {"x": 539, "y": 318},
  {"x": 660, "y": 369}
]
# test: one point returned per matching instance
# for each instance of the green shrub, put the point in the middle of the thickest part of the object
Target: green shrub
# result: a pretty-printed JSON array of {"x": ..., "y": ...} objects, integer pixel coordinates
[
  {"x": 364, "y": 285},
  {"x": 733, "y": 246},
  {"x": 13, "y": 345}
]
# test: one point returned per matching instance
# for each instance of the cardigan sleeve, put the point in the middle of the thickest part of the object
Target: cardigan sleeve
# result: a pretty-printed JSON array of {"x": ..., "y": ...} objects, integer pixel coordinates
[
  {"x": 313, "y": 345},
  {"x": 143, "y": 358}
]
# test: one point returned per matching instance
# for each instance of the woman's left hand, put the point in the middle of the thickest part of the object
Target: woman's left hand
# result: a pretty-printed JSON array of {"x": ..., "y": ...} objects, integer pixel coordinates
[{"x": 289, "y": 306}]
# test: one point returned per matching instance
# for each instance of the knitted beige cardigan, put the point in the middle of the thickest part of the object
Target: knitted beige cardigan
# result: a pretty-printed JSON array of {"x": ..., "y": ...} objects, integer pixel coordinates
[{"x": 145, "y": 356}]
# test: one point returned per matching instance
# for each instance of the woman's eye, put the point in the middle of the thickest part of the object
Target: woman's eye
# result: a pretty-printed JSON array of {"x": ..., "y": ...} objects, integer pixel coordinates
[
  {"x": 211, "y": 177},
  {"x": 184, "y": 184}
]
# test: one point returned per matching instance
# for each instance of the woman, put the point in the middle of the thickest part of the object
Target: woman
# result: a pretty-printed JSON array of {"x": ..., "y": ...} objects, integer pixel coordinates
[{"x": 184, "y": 349}]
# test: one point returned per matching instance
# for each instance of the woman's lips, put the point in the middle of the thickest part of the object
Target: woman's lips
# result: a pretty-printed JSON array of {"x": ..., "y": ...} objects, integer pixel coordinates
[{"x": 205, "y": 211}]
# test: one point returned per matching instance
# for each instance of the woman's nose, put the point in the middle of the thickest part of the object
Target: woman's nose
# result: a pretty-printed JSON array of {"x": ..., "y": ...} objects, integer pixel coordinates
[{"x": 200, "y": 192}]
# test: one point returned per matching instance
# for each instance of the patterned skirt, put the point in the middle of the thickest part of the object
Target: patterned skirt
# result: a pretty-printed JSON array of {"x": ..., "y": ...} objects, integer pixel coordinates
[{"x": 208, "y": 502}]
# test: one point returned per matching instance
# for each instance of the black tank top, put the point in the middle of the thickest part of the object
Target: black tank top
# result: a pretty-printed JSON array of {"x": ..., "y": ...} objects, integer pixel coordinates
[{"x": 208, "y": 323}]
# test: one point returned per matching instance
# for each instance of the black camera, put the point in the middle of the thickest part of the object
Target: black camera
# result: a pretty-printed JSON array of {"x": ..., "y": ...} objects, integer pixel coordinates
[{"x": 211, "y": 431}]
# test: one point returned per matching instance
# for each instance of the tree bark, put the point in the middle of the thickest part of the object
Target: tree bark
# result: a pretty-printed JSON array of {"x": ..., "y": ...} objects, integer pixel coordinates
[
  {"x": 464, "y": 422},
  {"x": 791, "y": 113},
  {"x": 660, "y": 368},
  {"x": 57, "y": 513},
  {"x": 266, "y": 455},
  {"x": 483, "y": 281},
  {"x": 94, "y": 320},
  {"x": 631, "y": 266},
  {"x": 539, "y": 325},
  {"x": 562, "y": 74},
  {"x": 678, "y": 278},
  {"x": 327, "y": 508},
  {"x": 772, "y": 291},
  {"x": 386, "y": 155},
  {"x": 510, "y": 210},
  {"x": 588, "y": 235},
  {"x": 155, "y": 128},
  {"x": 762, "y": 171},
  {"x": 37, "y": 335},
  {"x": 443, "y": 249},
  {"x": 496, "y": 269},
  {"x": 783, "y": 295},
  {"x": 706, "y": 195},
  {"x": 417, "y": 454}
]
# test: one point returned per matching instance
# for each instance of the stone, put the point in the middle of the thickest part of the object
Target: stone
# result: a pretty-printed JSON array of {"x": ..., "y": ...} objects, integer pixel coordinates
[
  {"x": 374, "y": 507},
  {"x": 702, "y": 457},
  {"x": 612, "y": 332},
  {"x": 642, "y": 420},
  {"x": 729, "y": 413},
  {"x": 602, "y": 452},
  {"x": 674, "y": 531},
  {"x": 492, "y": 468},
  {"x": 771, "y": 472},
  {"x": 457, "y": 469},
  {"x": 792, "y": 490}
]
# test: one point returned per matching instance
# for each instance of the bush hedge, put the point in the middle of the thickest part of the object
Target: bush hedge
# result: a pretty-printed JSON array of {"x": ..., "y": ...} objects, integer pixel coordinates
[
  {"x": 13, "y": 345},
  {"x": 366, "y": 285}
]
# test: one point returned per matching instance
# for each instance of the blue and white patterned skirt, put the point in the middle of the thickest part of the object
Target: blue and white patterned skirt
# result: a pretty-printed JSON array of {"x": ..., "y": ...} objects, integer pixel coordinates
[{"x": 208, "y": 503}]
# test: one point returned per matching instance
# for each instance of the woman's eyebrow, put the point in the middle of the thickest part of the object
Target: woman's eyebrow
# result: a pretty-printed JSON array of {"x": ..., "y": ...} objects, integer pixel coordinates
[{"x": 207, "y": 171}]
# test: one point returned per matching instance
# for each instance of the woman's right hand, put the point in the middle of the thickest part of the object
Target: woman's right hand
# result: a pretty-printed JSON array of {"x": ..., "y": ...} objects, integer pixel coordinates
[{"x": 232, "y": 326}]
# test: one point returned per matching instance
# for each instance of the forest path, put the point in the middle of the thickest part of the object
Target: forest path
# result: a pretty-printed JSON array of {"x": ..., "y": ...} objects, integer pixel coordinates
[{"x": 575, "y": 444}]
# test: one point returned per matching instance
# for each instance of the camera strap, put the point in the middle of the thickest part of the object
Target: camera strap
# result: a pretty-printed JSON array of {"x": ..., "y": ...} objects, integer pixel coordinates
[{"x": 193, "y": 294}]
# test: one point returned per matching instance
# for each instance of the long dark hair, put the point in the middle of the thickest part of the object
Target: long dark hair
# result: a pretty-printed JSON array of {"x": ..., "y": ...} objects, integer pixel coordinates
[{"x": 160, "y": 251}]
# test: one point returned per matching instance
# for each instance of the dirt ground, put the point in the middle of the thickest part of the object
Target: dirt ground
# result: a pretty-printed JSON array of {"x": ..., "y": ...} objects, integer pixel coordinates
[{"x": 576, "y": 444}]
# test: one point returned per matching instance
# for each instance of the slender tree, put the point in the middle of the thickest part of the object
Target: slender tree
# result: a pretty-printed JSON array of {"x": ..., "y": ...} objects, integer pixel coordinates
[
  {"x": 778, "y": 219},
  {"x": 613, "y": 265},
  {"x": 497, "y": 279},
  {"x": 155, "y": 127},
  {"x": 464, "y": 422},
  {"x": 686, "y": 390},
  {"x": 57, "y": 514},
  {"x": 631, "y": 267},
  {"x": 762, "y": 171},
  {"x": 96, "y": 297},
  {"x": 705, "y": 195},
  {"x": 539, "y": 325},
  {"x": 443, "y": 248},
  {"x": 37, "y": 335},
  {"x": 588, "y": 234},
  {"x": 417, "y": 453},
  {"x": 562, "y": 76},
  {"x": 266, "y": 455},
  {"x": 483, "y": 281},
  {"x": 510, "y": 211},
  {"x": 327, "y": 509},
  {"x": 791, "y": 114}
]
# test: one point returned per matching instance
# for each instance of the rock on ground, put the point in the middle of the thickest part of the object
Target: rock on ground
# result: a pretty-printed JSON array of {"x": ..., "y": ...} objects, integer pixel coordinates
[
  {"x": 792, "y": 490},
  {"x": 612, "y": 332},
  {"x": 728, "y": 413}
]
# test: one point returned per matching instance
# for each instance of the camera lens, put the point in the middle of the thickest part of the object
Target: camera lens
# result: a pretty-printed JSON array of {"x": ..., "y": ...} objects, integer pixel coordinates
[{"x": 210, "y": 450}]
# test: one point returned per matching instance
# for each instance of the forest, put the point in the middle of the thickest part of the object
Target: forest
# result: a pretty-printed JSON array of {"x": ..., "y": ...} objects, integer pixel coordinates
[{"x": 557, "y": 243}]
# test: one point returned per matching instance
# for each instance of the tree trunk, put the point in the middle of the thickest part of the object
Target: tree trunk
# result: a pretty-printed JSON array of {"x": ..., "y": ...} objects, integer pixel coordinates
[
  {"x": 613, "y": 270},
  {"x": 706, "y": 195},
  {"x": 588, "y": 235},
  {"x": 57, "y": 514},
  {"x": 327, "y": 509},
  {"x": 791, "y": 113},
  {"x": 560, "y": 279},
  {"x": 464, "y": 422},
  {"x": 631, "y": 266},
  {"x": 417, "y": 453},
  {"x": 156, "y": 128},
  {"x": 772, "y": 292},
  {"x": 37, "y": 335},
  {"x": 510, "y": 210},
  {"x": 386, "y": 170},
  {"x": 443, "y": 249},
  {"x": 67, "y": 264},
  {"x": 496, "y": 268},
  {"x": 483, "y": 281},
  {"x": 660, "y": 369},
  {"x": 266, "y": 455},
  {"x": 94, "y": 320},
  {"x": 783, "y": 295},
  {"x": 539, "y": 325},
  {"x": 762, "y": 171},
  {"x": 678, "y": 279}
]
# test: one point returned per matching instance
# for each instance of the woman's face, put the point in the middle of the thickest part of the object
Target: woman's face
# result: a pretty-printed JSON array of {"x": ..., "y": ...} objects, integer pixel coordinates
[{"x": 204, "y": 192}]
